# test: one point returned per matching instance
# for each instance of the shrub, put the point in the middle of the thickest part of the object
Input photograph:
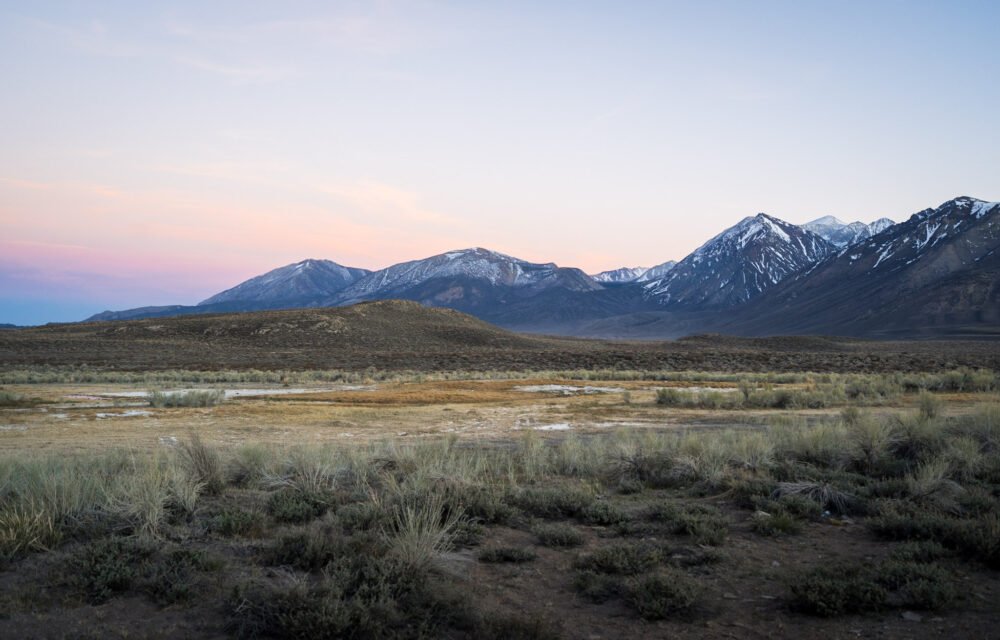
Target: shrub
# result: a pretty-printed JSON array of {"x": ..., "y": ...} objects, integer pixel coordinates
[
  {"x": 774, "y": 524},
  {"x": 557, "y": 502},
  {"x": 110, "y": 566},
  {"x": 558, "y": 535},
  {"x": 597, "y": 587},
  {"x": 662, "y": 596},
  {"x": 357, "y": 596},
  {"x": 832, "y": 591},
  {"x": 507, "y": 554},
  {"x": 289, "y": 505},
  {"x": 705, "y": 525},
  {"x": 200, "y": 398},
  {"x": 602, "y": 512},
  {"x": 621, "y": 559},
  {"x": 236, "y": 522}
]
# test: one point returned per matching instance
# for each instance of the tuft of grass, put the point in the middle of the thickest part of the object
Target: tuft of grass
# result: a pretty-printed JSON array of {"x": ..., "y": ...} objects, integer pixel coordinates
[
  {"x": 558, "y": 535},
  {"x": 419, "y": 533},
  {"x": 25, "y": 528},
  {"x": 204, "y": 464}
]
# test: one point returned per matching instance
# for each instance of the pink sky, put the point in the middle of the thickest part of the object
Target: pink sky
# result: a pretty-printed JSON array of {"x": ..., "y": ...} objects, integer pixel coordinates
[{"x": 159, "y": 153}]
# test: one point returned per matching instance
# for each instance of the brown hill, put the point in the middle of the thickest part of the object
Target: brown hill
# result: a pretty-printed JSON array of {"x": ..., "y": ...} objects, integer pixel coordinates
[{"x": 399, "y": 335}]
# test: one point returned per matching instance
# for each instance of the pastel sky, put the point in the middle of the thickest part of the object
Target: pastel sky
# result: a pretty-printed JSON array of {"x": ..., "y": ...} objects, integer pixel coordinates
[{"x": 156, "y": 153}]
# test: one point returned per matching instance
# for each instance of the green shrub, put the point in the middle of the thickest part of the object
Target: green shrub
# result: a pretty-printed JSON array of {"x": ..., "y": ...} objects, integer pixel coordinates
[
  {"x": 602, "y": 512},
  {"x": 357, "y": 596},
  {"x": 705, "y": 524},
  {"x": 837, "y": 590},
  {"x": 236, "y": 522},
  {"x": 556, "y": 502},
  {"x": 558, "y": 535},
  {"x": 662, "y": 596},
  {"x": 110, "y": 566},
  {"x": 775, "y": 524},
  {"x": 293, "y": 506},
  {"x": 921, "y": 551},
  {"x": 621, "y": 559}
]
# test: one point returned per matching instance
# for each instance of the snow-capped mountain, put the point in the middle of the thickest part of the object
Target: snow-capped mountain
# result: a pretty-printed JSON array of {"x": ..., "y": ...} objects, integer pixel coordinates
[
  {"x": 937, "y": 271},
  {"x": 634, "y": 274},
  {"x": 306, "y": 279},
  {"x": 480, "y": 265},
  {"x": 657, "y": 272},
  {"x": 618, "y": 276},
  {"x": 844, "y": 234},
  {"x": 739, "y": 264}
]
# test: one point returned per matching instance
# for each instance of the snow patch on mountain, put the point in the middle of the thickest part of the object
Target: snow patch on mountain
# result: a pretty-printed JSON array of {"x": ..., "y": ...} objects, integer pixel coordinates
[{"x": 740, "y": 263}]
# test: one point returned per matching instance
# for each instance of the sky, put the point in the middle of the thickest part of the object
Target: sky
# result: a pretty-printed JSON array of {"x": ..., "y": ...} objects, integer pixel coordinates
[{"x": 157, "y": 153}]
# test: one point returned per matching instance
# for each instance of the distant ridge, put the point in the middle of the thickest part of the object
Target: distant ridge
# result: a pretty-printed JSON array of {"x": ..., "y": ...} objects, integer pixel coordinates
[{"x": 933, "y": 274}]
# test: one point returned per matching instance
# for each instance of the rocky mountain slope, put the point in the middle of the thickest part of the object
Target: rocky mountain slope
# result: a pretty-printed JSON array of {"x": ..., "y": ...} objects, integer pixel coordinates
[
  {"x": 306, "y": 280},
  {"x": 843, "y": 234},
  {"x": 938, "y": 272},
  {"x": 739, "y": 264}
]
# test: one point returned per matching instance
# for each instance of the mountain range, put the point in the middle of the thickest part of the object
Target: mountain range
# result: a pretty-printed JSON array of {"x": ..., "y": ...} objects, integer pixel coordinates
[{"x": 933, "y": 274}]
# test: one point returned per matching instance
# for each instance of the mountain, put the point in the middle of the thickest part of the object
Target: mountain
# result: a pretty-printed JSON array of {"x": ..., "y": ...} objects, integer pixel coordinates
[
  {"x": 303, "y": 284},
  {"x": 304, "y": 280},
  {"x": 843, "y": 234},
  {"x": 936, "y": 273},
  {"x": 739, "y": 264},
  {"x": 657, "y": 272},
  {"x": 467, "y": 279},
  {"x": 617, "y": 276},
  {"x": 634, "y": 274}
]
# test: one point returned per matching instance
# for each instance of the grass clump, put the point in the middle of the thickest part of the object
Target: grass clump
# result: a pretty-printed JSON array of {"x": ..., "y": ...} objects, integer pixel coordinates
[
  {"x": 24, "y": 528},
  {"x": 558, "y": 535},
  {"x": 197, "y": 398},
  {"x": 204, "y": 464}
]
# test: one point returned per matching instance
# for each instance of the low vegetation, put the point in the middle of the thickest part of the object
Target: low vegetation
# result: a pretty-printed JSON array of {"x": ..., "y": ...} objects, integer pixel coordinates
[{"x": 363, "y": 540}]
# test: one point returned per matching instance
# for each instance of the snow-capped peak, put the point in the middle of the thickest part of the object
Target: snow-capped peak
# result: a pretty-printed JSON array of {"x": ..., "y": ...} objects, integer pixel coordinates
[
  {"x": 623, "y": 274},
  {"x": 740, "y": 263}
]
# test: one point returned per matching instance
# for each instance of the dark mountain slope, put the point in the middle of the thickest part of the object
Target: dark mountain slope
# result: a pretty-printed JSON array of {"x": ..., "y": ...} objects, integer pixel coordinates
[{"x": 936, "y": 273}]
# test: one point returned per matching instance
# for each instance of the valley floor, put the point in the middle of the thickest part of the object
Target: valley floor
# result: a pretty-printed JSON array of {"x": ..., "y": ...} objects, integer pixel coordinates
[{"x": 699, "y": 505}]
